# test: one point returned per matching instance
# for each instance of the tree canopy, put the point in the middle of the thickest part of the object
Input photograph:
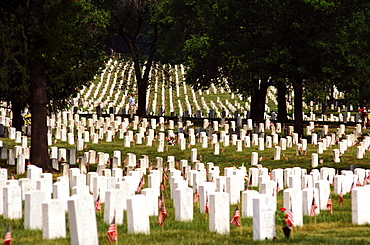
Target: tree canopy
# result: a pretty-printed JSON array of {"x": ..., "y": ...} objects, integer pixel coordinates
[
  {"x": 52, "y": 48},
  {"x": 307, "y": 44},
  {"x": 137, "y": 24}
]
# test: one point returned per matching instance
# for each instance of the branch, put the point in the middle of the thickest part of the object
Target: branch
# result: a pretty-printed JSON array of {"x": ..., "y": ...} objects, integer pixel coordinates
[
  {"x": 128, "y": 40},
  {"x": 151, "y": 52},
  {"x": 139, "y": 27},
  {"x": 10, "y": 10}
]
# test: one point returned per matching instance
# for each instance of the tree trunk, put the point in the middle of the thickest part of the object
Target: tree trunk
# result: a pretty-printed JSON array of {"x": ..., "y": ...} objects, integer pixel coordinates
[
  {"x": 298, "y": 115},
  {"x": 141, "y": 78},
  {"x": 282, "y": 113},
  {"x": 17, "y": 121},
  {"x": 142, "y": 82},
  {"x": 324, "y": 107},
  {"x": 258, "y": 101},
  {"x": 39, "y": 147},
  {"x": 142, "y": 85},
  {"x": 144, "y": 79}
]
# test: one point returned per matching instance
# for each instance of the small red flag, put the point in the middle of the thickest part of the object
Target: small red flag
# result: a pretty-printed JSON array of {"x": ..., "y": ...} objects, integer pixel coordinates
[
  {"x": 98, "y": 204},
  {"x": 353, "y": 186},
  {"x": 289, "y": 220},
  {"x": 165, "y": 176},
  {"x": 313, "y": 207},
  {"x": 162, "y": 215},
  {"x": 160, "y": 200},
  {"x": 207, "y": 208},
  {"x": 235, "y": 220},
  {"x": 329, "y": 205},
  {"x": 162, "y": 185},
  {"x": 112, "y": 232},
  {"x": 8, "y": 237},
  {"x": 196, "y": 195}
]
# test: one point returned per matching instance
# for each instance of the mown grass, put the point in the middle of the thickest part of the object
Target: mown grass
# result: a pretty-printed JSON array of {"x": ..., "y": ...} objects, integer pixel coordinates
[{"x": 329, "y": 229}]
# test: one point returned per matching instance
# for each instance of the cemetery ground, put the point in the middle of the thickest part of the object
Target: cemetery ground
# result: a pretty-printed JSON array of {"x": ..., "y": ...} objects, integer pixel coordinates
[
  {"x": 168, "y": 94},
  {"x": 335, "y": 228}
]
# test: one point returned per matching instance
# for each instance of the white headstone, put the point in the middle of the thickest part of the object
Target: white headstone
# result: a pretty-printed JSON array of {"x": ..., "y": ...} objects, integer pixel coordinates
[
  {"x": 219, "y": 216},
  {"x": 82, "y": 220},
  {"x": 32, "y": 209},
  {"x": 184, "y": 204},
  {"x": 232, "y": 187},
  {"x": 247, "y": 202},
  {"x": 80, "y": 189},
  {"x": 54, "y": 221},
  {"x": 324, "y": 193},
  {"x": 205, "y": 189},
  {"x": 340, "y": 184},
  {"x": 254, "y": 158},
  {"x": 277, "y": 151},
  {"x": 359, "y": 202},
  {"x": 25, "y": 185},
  {"x": 152, "y": 197},
  {"x": 113, "y": 207},
  {"x": 261, "y": 144},
  {"x": 263, "y": 217},
  {"x": 307, "y": 198},
  {"x": 292, "y": 202},
  {"x": 12, "y": 202},
  {"x": 125, "y": 186},
  {"x": 314, "y": 160},
  {"x": 137, "y": 215}
]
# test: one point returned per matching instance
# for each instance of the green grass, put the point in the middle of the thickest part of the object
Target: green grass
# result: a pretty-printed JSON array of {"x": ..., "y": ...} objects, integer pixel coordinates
[
  {"x": 329, "y": 229},
  {"x": 335, "y": 228}
]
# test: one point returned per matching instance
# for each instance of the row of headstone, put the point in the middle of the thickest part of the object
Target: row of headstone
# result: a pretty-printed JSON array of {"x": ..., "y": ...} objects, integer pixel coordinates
[
  {"x": 297, "y": 198},
  {"x": 108, "y": 83},
  {"x": 90, "y": 97},
  {"x": 224, "y": 138}
]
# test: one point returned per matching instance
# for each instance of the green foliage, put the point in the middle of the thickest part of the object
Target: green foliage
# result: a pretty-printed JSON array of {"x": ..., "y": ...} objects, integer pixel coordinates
[
  {"x": 138, "y": 25},
  {"x": 13, "y": 67},
  {"x": 71, "y": 42},
  {"x": 61, "y": 47},
  {"x": 322, "y": 42},
  {"x": 77, "y": 55}
]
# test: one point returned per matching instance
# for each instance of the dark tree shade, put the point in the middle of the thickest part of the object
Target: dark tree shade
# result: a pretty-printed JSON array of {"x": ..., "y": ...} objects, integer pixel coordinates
[
  {"x": 306, "y": 44},
  {"x": 135, "y": 22},
  {"x": 55, "y": 47}
]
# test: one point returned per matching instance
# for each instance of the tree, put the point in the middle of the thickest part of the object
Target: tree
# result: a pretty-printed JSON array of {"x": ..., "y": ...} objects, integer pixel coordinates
[
  {"x": 62, "y": 49},
  {"x": 136, "y": 23},
  {"x": 300, "y": 42},
  {"x": 232, "y": 45},
  {"x": 282, "y": 109},
  {"x": 14, "y": 87},
  {"x": 321, "y": 44}
]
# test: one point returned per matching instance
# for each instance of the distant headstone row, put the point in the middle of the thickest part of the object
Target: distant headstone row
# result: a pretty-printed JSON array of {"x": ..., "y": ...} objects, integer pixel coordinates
[
  {"x": 168, "y": 94},
  {"x": 79, "y": 131}
]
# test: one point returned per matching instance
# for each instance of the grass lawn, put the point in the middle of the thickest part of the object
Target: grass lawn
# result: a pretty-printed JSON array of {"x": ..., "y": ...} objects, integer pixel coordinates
[{"x": 336, "y": 228}]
